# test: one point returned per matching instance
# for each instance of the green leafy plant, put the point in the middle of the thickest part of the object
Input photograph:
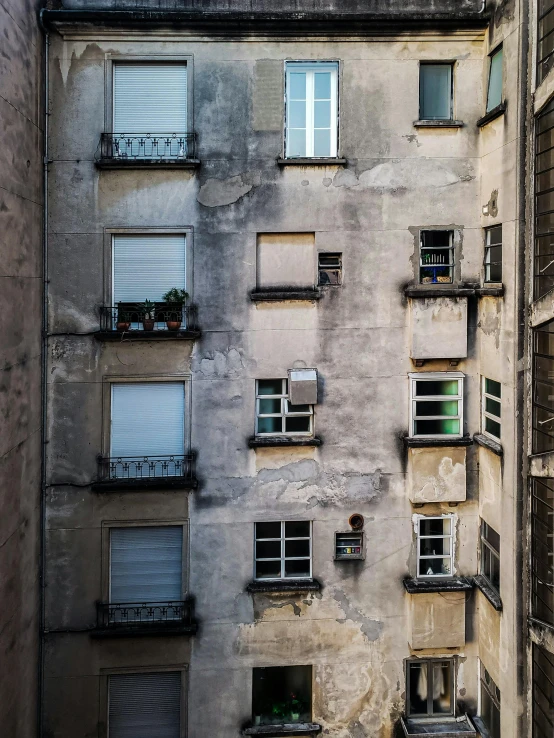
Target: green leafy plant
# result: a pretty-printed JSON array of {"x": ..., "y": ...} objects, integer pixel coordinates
[
  {"x": 176, "y": 296},
  {"x": 147, "y": 310}
]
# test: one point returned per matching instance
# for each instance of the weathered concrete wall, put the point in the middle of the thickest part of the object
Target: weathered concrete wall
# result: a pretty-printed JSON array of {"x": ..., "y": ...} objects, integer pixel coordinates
[{"x": 20, "y": 352}]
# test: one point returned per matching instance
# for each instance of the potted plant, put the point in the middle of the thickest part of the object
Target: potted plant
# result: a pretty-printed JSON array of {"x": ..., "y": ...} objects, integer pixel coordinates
[
  {"x": 297, "y": 708},
  {"x": 175, "y": 299},
  {"x": 147, "y": 312},
  {"x": 123, "y": 319},
  {"x": 279, "y": 712}
]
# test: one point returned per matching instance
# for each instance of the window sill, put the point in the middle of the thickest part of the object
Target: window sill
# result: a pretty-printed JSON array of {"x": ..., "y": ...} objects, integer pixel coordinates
[
  {"x": 147, "y": 163},
  {"x": 154, "y": 630},
  {"x": 277, "y": 441},
  {"x": 164, "y": 335},
  {"x": 431, "y": 442},
  {"x": 420, "y": 291},
  {"x": 306, "y": 161},
  {"x": 286, "y": 729},
  {"x": 489, "y": 443},
  {"x": 137, "y": 485},
  {"x": 492, "y": 114},
  {"x": 438, "y": 124},
  {"x": 482, "y": 728},
  {"x": 445, "y": 728},
  {"x": 282, "y": 295},
  {"x": 425, "y": 586},
  {"x": 290, "y": 585},
  {"x": 497, "y": 291},
  {"x": 492, "y": 596}
]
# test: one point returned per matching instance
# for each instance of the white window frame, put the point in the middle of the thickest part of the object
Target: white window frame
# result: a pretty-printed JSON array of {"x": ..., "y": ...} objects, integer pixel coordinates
[
  {"x": 488, "y": 246},
  {"x": 285, "y": 412},
  {"x": 436, "y": 377},
  {"x": 310, "y": 67},
  {"x": 283, "y": 539},
  {"x": 451, "y": 251},
  {"x": 450, "y": 537},
  {"x": 485, "y": 413}
]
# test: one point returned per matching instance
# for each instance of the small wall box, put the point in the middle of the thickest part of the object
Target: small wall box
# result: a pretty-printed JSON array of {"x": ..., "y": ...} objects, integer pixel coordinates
[{"x": 349, "y": 546}]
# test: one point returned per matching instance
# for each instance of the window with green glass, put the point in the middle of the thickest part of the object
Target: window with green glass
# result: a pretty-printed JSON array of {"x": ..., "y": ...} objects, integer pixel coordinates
[
  {"x": 492, "y": 410},
  {"x": 494, "y": 94},
  {"x": 436, "y": 405}
]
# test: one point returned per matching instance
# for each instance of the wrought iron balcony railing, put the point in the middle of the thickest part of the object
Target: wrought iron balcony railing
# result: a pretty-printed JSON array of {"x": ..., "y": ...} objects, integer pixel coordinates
[
  {"x": 138, "y": 615},
  {"x": 129, "y": 147},
  {"x": 143, "y": 468},
  {"x": 126, "y": 318}
]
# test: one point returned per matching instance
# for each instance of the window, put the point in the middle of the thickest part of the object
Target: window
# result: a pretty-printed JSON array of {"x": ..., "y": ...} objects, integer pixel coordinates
[
  {"x": 146, "y": 564},
  {"x": 490, "y": 555},
  {"x": 145, "y": 267},
  {"x": 329, "y": 268},
  {"x": 489, "y": 700},
  {"x": 282, "y": 694},
  {"x": 545, "y": 46},
  {"x": 150, "y": 109},
  {"x": 435, "y": 91},
  {"x": 542, "y": 549},
  {"x": 435, "y": 546},
  {"x": 493, "y": 254},
  {"x": 492, "y": 394},
  {"x": 544, "y": 200},
  {"x": 144, "y": 705},
  {"x": 430, "y": 687},
  {"x": 283, "y": 550},
  {"x": 494, "y": 94},
  {"x": 147, "y": 429},
  {"x": 543, "y": 388},
  {"x": 436, "y": 405},
  {"x": 436, "y": 263},
  {"x": 275, "y": 416},
  {"x": 543, "y": 692},
  {"x": 311, "y": 109}
]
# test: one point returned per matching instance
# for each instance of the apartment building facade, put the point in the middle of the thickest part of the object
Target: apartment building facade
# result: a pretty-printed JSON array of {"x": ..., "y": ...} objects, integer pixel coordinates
[{"x": 285, "y": 488}]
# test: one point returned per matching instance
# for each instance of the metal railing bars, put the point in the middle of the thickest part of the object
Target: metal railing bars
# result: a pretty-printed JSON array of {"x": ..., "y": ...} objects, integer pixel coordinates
[
  {"x": 146, "y": 467},
  {"x": 126, "y": 317},
  {"x": 145, "y": 146},
  {"x": 139, "y": 614}
]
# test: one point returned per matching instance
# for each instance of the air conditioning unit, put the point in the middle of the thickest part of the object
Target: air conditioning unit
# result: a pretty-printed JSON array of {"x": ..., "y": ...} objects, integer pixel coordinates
[{"x": 303, "y": 386}]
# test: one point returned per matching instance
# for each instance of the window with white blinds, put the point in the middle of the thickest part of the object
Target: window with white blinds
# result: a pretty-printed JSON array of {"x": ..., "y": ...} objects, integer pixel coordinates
[
  {"x": 147, "y": 419},
  {"x": 150, "y": 98},
  {"x": 146, "y": 564},
  {"x": 145, "y": 266},
  {"x": 144, "y": 705}
]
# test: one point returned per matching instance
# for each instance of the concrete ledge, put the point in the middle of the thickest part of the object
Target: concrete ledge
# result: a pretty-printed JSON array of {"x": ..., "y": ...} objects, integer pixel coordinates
[
  {"x": 542, "y": 465},
  {"x": 147, "y": 164},
  {"x": 276, "y": 441},
  {"x": 482, "y": 440},
  {"x": 453, "y": 728},
  {"x": 492, "y": 596},
  {"x": 490, "y": 291},
  {"x": 438, "y": 124},
  {"x": 417, "y": 291},
  {"x": 424, "y": 586},
  {"x": 137, "y": 485},
  {"x": 144, "y": 631},
  {"x": 284, "y": 586},
  {"x": 430, "y": 442},
  {"x": 311, "y": 162},
  {"x": 286, "y": 729},
  {"x": 147, "y": 335},
  {"x": 542, "y": 310},
  {"x": 493, "y": 114},
  {"x": 282, "y": 295}
]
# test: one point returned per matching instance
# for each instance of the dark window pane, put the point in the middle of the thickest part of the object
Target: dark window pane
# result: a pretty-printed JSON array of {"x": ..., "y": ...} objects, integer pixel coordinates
[
  {"x": 435, "y": 92},
  {"x": 282, "y": 694},
  {"x": 297, "y": 548},
  {"x": 493, "y": 388},
  {"x": 438, "y": 407},
  {"x": 434, "y": 527},
  {"x": 268, "y": 549},
  {"x": 268, "y": 570},
  {"x": 442, "y": 686},
  {"x": 437, "y": 427},
  {"x": 418, "y": 688},
  {"x": 492, "y": 427},
  {"x": 268, "y": 530},
  {"x": 494, "y": 235},
  {"x": 270, "y": 425},
  {"x": 492, "y": 406},
  {"x": 434, "y": 547},
  {"x": 297, "y": 425},
  {"x": 491, "y": 536},
  {"x": 297, "y": 568},
  {"x": 270, "y": 386},
  {"x": 434, "y": 567},
  {"x": 440, "y": 387},
  {"x": 298, "y": 408},
  {"x": 268, "y": 407},
  {"x": 297, "y": 529}
]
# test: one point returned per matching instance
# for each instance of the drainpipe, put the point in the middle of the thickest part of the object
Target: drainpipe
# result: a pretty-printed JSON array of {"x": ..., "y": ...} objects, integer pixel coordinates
[{"x": 44, "y": 359}]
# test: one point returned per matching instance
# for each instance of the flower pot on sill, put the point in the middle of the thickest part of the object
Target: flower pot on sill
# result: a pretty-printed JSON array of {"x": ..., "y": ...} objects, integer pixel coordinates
[
  {"x": 444, "y": 280},
  {"x": 257, "y": 719},
  {"x": 148, "y": 324},
  {"x": 295, "y": 717},
  {"x": 173, "y": 325},
  {"x": 122, "y": 326},
  {"x": 427, "y": 280}
]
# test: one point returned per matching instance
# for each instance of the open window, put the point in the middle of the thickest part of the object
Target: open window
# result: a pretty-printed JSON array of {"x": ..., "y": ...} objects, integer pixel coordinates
[
  {"x": 436, "y": 405},
  {"x": 435, "y": 546},
  {"x": 495, "y": 84},
  {"x": 492, "y": 408},
  {"x": 430, "y": 688},
  {"x": 275, "y": 415},
  {"x": 282, "y": 695}
]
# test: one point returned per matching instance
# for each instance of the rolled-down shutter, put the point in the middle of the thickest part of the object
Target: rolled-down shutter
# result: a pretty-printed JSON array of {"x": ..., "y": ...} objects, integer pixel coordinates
[
  {"x": 147, "y": 266},
  {"x": 145, "y": 705},
  {"x": 150, "y": 98},
  {"x": 148, "y": 419},
  {"x": 146, "y": 564}
]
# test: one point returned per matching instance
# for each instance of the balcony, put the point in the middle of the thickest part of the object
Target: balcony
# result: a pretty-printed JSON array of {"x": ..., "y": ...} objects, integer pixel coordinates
[
  {"x": 147, "y": 618},
  {"x": 146, "y": 472},
  {"x": 126, "y": 322},
  {"x": 147, "y": 151}
]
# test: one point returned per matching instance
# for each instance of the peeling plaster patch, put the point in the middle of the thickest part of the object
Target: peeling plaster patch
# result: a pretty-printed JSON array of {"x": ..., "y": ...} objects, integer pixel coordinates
[
  {"x": 401, "y": 175},
  {"x": 490, "y": 320},
  {"x": 370, "y": 628},
  {"x": 216, "y": 193},
  {"x": 305, "y": 182},
  {"x": 220, "y": 364},
  {"x": 327, "y": 182},
  {"x": 345, "y": 178},
  {"x": 412, "y": 138}
]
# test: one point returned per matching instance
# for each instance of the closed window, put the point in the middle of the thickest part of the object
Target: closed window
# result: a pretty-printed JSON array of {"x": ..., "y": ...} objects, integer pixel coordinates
[
  {"x": 494, "y": 93},
  {"x": 283, "y": 550},
  {"x": 436, "y": 405},
  {"x": 430, "y": 687},
  {"x": 311, "y": 109},
  {"x": 436, "y": 263},
  {"x": 145, "y": 267},
  {"x": 275, "y": 416},
  {"x": 489, "y": 700},
  {"x": 490, "y": 555},
  {"x": 282, "y": 695},
  {"x": 545, "y": 45},
  {"x": 492, "y": 408},
  {"x": 329, "y": 268},
  {"x": 144, "y": 705},
  {"x": 435, "y": 91},
  {"x": 147, "y": 430},
  {"x": 493, "y": 254},
  {"x": 435, "y": 546},
  {"x": 150, "y": 110}
]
